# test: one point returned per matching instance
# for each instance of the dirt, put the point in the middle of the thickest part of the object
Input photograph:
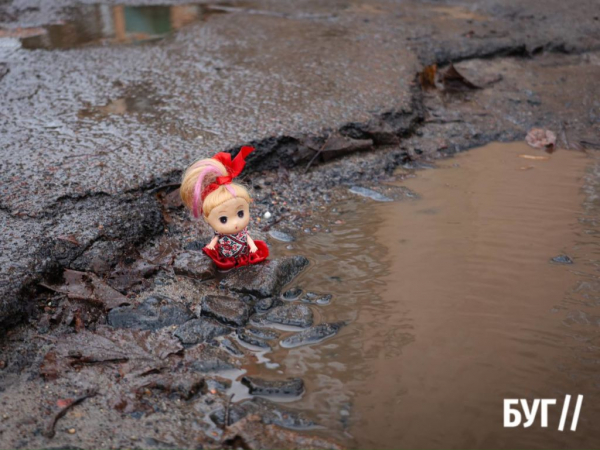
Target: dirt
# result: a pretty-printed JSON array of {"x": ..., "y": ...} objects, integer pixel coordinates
[{"x": 95, "y": 138}]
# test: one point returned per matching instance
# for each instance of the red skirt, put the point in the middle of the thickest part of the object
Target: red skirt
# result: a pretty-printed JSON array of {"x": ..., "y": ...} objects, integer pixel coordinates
[{"x": 224, "y": 263}]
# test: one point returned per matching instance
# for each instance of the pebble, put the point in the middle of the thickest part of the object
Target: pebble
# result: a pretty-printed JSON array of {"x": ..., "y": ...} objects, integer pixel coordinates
[
  {"x": 258, "y": 386},
  {"x": 291, "y": 314},
  {"x": 251, "y": 339},
  {"x": 369, "y": 193},
  {"x": 562, "y": 259},
  {"x": 200, "y": 330},
  {"x": 292, "y": 294},
  {"x": 265, "y": 279},
  {"x": 152, "y": 314},
  {"x": 227, "y": 310},
  {"x": 312, "y": 335}
]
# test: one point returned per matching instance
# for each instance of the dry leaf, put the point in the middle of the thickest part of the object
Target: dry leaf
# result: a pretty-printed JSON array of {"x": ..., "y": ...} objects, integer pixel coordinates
[
  {"x": 540, "y": 138},
  {"x": 427, "y": 77},
  {"x": 87, "y": 286}
]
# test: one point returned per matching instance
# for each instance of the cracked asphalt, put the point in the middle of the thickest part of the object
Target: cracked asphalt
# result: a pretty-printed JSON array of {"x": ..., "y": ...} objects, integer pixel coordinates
[{"x": 89, "y": 133}]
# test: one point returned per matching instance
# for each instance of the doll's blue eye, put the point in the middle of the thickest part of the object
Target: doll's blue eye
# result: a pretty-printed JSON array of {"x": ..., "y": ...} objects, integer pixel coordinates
[
  {"x": 223, "y": 219},
  {"x": 240, "y": 214}
]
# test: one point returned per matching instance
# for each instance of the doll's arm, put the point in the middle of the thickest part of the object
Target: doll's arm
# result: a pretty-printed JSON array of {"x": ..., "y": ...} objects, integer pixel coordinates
[
  {"x": 252, "y": 245},
  {"x": 212, "y": 243}
]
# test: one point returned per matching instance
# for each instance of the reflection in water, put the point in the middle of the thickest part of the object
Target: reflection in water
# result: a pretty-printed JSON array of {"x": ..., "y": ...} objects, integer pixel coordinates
[
  {"x": 104, "y": 24},
  {"x": 453, "y": 305}
]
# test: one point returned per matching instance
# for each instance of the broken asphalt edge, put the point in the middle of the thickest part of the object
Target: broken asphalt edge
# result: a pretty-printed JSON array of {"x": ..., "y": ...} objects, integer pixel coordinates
[{"x": 291, "y": 151}]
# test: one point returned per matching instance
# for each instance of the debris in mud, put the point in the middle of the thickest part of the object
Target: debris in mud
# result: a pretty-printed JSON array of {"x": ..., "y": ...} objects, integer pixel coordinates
[
  {"x": 194, "y": 265},
  {"x": 155, "y": 312},
  {"x": 293, "y": 387},
  {"x": 291, "y": 314},
  {"x": 250, "y": 433},
  {"x": 312, "y": 335},
  {"x": 200, "y": 330},
  {"x": 562, "y": 259},
  {"x": 267, "y": 278},
  {"x": 88, "y": 287},
  {"x": 454, "y": 81},
  {"x": 540, "y": 138},
  {"x": 369, "y": 193},
  {"x": 227, "y": 310},
  {"x": 50, "y": 429}
]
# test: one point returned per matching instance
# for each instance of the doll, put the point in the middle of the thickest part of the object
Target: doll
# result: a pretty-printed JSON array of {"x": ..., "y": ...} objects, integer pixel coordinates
[{"x": 207, "y": 189}]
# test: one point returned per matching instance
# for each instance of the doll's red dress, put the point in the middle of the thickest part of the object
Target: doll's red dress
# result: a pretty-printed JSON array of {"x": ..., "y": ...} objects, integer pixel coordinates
[{"x": 232, "y": 250}]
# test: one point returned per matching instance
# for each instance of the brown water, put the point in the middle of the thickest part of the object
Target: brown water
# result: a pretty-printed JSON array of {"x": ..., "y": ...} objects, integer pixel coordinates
[
  {"x": 453, "y": 305},
  {"x": 95, "y": 24}
]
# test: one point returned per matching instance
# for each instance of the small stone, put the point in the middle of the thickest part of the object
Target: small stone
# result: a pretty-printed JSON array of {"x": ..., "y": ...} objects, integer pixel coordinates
[
  {"x": 228, "y": 345},
  {"x": 281, "y": 236},
  {"x": 227, "y": 310},
  {"x": 248, "y": 338},
  {"x": 204, "y": 358},
  {"x": 292, "y": 387},
  {"x": 217, "y": 384},
  {"x": 319, "y": 299},
  {"x": 200, "y": 330},
  {"x": 269, "y": 412},
  {"x": 562, "y": 259},
  {"x": 369, "y": 193},
  {"x": 194, "y": 265},
  {"x": 265, "y": 279},
  {"x": 292, "y": 294},
  {"x": 262, "y": 333},
  {"x": 291, "y": 314},
  {"x": 264, "y": 304},
  {"x": 71, "y": 431},
  {"x": 312, "y": 335},
  {"x": 152, "y": 314}
]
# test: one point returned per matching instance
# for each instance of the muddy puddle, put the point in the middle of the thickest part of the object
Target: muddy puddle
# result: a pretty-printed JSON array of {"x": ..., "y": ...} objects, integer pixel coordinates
[
  {"x": 90, "y": 25},
  {"x": 453, "y": 303}
]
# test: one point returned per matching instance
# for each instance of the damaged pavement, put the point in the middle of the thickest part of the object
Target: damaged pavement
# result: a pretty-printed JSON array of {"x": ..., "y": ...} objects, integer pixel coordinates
[{"x": 101, "y": 278}]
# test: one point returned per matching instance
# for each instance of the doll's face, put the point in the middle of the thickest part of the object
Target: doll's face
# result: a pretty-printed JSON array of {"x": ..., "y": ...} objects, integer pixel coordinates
[{"x": 230, "y": 217}]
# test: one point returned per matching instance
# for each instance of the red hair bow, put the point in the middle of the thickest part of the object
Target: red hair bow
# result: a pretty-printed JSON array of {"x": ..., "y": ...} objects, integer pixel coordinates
[{"x": 234, "y": 168}]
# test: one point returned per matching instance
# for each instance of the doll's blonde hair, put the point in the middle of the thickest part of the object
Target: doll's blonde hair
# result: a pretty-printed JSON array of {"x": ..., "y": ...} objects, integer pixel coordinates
[{"x": 198, "y": 177}]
